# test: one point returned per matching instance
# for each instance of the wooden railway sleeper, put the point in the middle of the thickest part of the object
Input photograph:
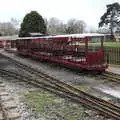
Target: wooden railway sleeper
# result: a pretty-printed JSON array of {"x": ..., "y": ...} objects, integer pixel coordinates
[
  {"x": 74, "y": 94},
  {"x": 71, "y": 87}
]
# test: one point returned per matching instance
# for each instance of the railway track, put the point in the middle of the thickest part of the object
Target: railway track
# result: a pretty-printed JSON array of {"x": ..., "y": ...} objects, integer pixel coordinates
[
  {"x": 58, "y": 87},
  {"x": 111, "y": 76}
]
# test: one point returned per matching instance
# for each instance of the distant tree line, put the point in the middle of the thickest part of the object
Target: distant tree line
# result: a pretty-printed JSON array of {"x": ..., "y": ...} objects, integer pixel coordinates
[
  {"x": 34, "y": 22},
  {"x": 9, "y": 28},
  {"x": 109, "y": 23},
  {"x": 56, "y": 26}
]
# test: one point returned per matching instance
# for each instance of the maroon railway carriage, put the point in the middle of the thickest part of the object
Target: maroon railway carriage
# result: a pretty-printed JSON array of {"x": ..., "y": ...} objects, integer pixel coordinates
[
  {"x": 2, "y": 43},
  {"x": 75, "y": 50},
  {"x": 7, "y": 42}
]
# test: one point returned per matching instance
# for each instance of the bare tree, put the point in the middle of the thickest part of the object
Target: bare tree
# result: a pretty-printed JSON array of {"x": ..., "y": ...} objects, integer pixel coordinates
[
  {"x": 75, "y": 26},
  {"x": 55, "y": 26},
  {"x": 9, "y": 28},
  {"x": 15, "y": 22}
]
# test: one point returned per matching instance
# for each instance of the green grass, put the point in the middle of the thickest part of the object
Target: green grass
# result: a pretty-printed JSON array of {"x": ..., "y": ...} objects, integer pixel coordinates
[
  {"x": 38, "y": 101},
  {"x": 107, "y": 44},
  {"x": 115, "y": 65},
  {"x": 50, "y": 107},
  {"x": 112, "y": 44}
]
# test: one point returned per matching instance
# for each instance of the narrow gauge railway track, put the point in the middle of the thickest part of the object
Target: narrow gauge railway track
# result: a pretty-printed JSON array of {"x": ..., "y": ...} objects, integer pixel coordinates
[
  {"x": 108, "y": 109},
  {"x": 61, "y": 88},
  {"x": 111, "y": 76}
]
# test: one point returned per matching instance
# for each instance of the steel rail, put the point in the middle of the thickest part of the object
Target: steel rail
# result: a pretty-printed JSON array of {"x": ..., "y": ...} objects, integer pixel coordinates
[
  {"x": 111, "y": 76},
  {"x": 53, "y": 80},
  {"x": 78, "y": 98}
]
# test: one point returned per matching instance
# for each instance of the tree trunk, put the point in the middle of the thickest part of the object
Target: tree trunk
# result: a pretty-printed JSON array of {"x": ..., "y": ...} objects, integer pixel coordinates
[
  {"x": 111, "y": 27},
  {"x": 112, "y": 34}
]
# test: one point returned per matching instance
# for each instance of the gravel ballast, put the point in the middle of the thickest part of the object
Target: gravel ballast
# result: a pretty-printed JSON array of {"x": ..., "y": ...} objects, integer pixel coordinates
[{"x": 32, "y": 107}]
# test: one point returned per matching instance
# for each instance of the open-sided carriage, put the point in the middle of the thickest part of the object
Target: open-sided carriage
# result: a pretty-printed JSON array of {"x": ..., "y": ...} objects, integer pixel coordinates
[{"x": 78, "y": 51}]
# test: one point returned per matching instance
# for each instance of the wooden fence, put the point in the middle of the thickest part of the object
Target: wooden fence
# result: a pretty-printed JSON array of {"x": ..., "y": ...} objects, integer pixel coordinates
[{"x": 112, "y": 55}]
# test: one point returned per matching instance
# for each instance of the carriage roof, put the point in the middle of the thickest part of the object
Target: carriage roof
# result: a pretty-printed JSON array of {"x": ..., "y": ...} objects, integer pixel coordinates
[{"x": 84, "y": 35}]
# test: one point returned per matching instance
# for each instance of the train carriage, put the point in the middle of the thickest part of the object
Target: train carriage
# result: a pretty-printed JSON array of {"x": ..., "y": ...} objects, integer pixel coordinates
[
  {"x": 7, "y": 42},
  {"x": 74, "y": 50}
]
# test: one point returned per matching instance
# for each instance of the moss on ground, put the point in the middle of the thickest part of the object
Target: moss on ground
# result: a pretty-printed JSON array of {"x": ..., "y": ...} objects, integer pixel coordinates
[
  {"x": 52, "y": 107},
  {"x": 38, "y": 100}
]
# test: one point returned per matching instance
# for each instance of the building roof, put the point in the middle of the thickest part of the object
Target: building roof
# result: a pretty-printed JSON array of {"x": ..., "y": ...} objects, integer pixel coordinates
[
  {"x": 13, "y": 37},
  {"x": 36, "y": 34}
]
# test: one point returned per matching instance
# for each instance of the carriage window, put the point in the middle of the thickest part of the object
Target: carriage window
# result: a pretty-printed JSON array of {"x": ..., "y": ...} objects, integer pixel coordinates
[
  {"x": 80, "y": 43},
  {"x": 95, "y": 43}
]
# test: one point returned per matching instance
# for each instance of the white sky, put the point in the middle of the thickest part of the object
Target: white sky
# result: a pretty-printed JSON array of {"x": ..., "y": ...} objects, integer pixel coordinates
[{"x": 89, "y": 11}]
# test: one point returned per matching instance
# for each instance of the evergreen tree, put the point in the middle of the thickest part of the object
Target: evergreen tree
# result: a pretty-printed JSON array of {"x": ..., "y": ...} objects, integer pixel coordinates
[
  {"x": 111, "y": 17},
  {"x": 32, "y": 22}
]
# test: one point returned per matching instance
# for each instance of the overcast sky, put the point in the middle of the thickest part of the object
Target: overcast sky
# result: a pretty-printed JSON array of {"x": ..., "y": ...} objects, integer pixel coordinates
[{"x": 89, "y": 11}]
